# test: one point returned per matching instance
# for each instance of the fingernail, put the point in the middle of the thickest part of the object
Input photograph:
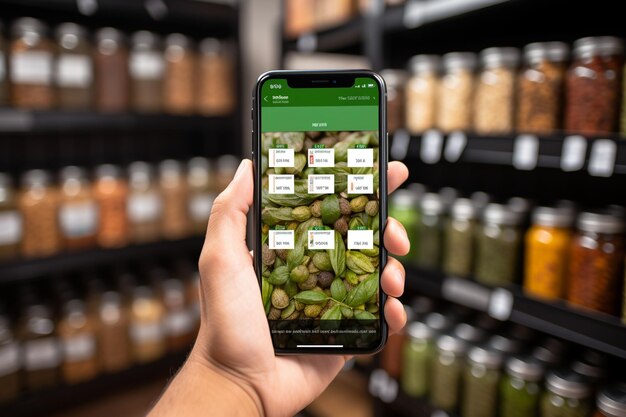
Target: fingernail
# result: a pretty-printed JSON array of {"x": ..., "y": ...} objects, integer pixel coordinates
[{"x": 240, "y": 169}]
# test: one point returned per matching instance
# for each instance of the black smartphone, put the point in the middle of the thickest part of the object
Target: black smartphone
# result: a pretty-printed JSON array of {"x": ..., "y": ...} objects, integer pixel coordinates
[{"x": 320, "y": 158}]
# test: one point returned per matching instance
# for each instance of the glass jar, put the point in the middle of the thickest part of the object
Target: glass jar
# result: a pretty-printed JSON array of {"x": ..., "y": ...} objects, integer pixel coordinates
[
  {"x": 460, "y": 236},
  {"x": 421, "y": 93},
  {"x": 77, "y": 332},
  {"x": 540, "y": 87},
  {"x": 395, "y": 81},
  {"x": 38, "y": 204},
  {"x": 497, "y": 246},
  {"x": 146, "y": 67},
  {"x": 596, "y": 259},
  {"x": 179, "y": 84},
  {"x": 438, "y": 322},
  {"x": 144, "y": 204},
  {"x": 567, "y": 394},
  {"x": 447, "y": 372},
  {"x": 112, "y": 84},
  {"x": 226, "y": 168},
  {"x": 113, "y": 336},
  {"x": 505, "y": 345},
  {"x": 9, "y": 361},
  {"x": 611, "y": 401},
  {"x": 429, "y": 234},
  {"x": 456, "y": 90},
  {"x": 471, "y": 335},
  {"x": 520, "y": 389},
  {"x": 403, "y": 207},
  {"x": 593, "y": 85},
  {"x": 10, "y": 220},
  {"x": 175, "y": 194},
  {"x": 592, "y": 365},
  {"x": 146, "y": 326},
  {"x": 78, "y": 212},
  {"x": 217, "y": 94},
  {"x": 495, "y": 89},
  {"x": 548, "y": 243},
  {"x": 200, "y": 182},
  {"x": 179, "y": 323},
  {"x": 480, "y": 382},
  {"x": 110, "y": 191},
  {"x": 31, "y": 65},
  {"x": 417, "y": 356},
  {"x": 74, "y": 67},
  {"x": 4, "y": 79}
]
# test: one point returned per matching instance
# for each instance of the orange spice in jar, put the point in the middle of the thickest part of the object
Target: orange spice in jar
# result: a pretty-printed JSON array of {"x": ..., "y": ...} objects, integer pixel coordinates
[
  {"x": 144, "y": 205},
  {"x": 10, "y": 220},
  {"x": 547, "y": 248},
  {"x": 180, "y": 66},
  {"x": 77, "y": 332},
  {"x": 38, "y": 203},
  {"x": 596, "y": 262},
  {"x": 73, "y": 67},
  {"x": 113, "y": 337},
  {"x": 174, "y": 192},
  {"x": 146, "y": 325},
  {"x": 110, "y": 191},
  {"x": 201, "y": 193},
  {"x": 216, "y": 78},
  {"x": 78, "y": 213}
]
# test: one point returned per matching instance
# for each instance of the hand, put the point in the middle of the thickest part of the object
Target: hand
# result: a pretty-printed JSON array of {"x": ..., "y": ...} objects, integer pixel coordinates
[{"x": 234, "y": 338}]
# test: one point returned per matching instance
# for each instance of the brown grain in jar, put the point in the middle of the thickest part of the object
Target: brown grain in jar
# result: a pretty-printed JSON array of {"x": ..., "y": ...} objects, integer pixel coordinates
[
  {"x": 421, "y": 93},
  {"x": 180, "y": 66},
  {"x": 216, "y": 72},
  {"x": 31, "y": 65},
  {"x": 10, "y": 220},
  {"x": 456, "y": 88},
  {"x": 144, "y": 206},
  {"x": 38, "y": 203},
  {"x": 179, "y": 321},
  {"x": 175, "y": 193},
  {"x": 596, "y": 262},
  {"x": 201, "y": 193},
  {"x": 77, "y": 332},
  {"x": 111, "y": 193},
  {"x": 146, "y": 325},
  {"x": 113, "y": 337},
  {"x": 73, "y": 67},
  {"x": 146, "y": 66},
  {"x": 112, "y": 85},
  {"x": 395, "y": 81},
  {"x": 540, "y": 87},
  {"x": 78, "y": 212}
]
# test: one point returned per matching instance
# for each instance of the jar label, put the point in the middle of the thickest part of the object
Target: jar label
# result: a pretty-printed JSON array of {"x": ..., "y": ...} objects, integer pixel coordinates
[
  {"x": 10, "y": 227},
  {"x": 74, "y": 70},
  {"x": 31, "y": 67},
  {"x": 178, "y": 323},
  {"x": 146, "y": 332},
  {"x": 41, "y": 354},
  {"x": 79, "y": 348},
  {"x": 146, "y": 65},
  {"x": 144, "y": 207},
  {"x": 200, "y": 206},
  {"x": 78, "y": 219},
  {"x": 9, "y": 359}
]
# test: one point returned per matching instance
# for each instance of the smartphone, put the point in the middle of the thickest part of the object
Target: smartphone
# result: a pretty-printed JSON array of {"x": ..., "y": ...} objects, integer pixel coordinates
[{"x": 320, "y": 159}]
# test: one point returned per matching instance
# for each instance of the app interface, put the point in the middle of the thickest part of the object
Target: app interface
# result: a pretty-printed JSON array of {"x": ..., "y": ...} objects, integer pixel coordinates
[{"x": 320, "y": 214}]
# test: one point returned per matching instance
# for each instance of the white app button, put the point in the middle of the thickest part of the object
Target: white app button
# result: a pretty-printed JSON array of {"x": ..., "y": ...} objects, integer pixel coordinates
[
  {"x": 281, "y": 158},
  {"x": 321, "y": 158},
  {"x": 361, "y": 158},
  {"x": 322, "y": 184},
  {"x": 281, "y": 184},
  {"x": 281, "y": 239},
  {"x": 360, "y": 239},
  {"x": 361, "y": 184},
  {"x": 321, "y": 239}
]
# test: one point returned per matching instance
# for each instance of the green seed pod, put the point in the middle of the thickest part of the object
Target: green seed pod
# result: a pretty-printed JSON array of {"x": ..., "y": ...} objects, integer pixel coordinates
[
  {"x": 347, "y": 312},
  {"x": 371, "y": 208},
  {"x": 305, "y": 260},
  {"x": 280, "y": 299},
  {"x": 288, "y": 311},
  {"x": 372, "y": 308},
  {"x": 273, "y": 216},
  {"x": 301, "y": 213},
  {"x": 330, "y": 209},
  {"x": 299, "y": 274},
  {"x": 269, "y": 256},
  {"x": 310, "y": 283},
  {"x": 359, "y": 263},
  {"x": 344, "y": 207},
  {"x": 316, "y": 208},
  {"x": 279, "y": 276},
  {"x": 293, "y": 316},
  {"x": 325, "y": 278},
  {"x": 292, "y": 226},
  {"x": 282, "y": 253},
  {"x": 299, "y": 306},
  {"x": 312, "y": 310},
  {"x": 299, "y": 163},
  {"x": 358, "y": 204},
  {"x": 355, "y": 223},
  {"x": 352, "y": 277},
  {"x": 322, "y": 261},
  {"x": 312, "y": 268},
  {"x": 375, "y": 261},
  {"x": 291, "y": 288},
  {"x": 341, "y": 225},
  {"x": 371, "y": 252},
  {"x": 274, "y": 313}
]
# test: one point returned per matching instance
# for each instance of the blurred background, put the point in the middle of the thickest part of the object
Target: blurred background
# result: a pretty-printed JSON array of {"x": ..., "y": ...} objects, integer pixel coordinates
[{"x": 121, "y": 120}]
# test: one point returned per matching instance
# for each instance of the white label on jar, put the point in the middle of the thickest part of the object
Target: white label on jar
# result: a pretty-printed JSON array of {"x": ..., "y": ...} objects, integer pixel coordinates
[
  {"x": 573, "y": 153},
  {"x": 146, "y": 332},
  {"x": 281, "y": 239},
  {"x": 74, "y": 70},
  {"x": 41, "y": 354},
  {"x": 400, "y": 144},
  {"x": 200, "y": 206},
  {"x": 78, "y": 219},
  {"x": 178, "y": 323},
  {"x": 454, "y": 146},
  {"x": 526, "y": 152},
  {"x": 430, "y": 150},
  {"x": 146, "y": 65},
  {"x": 602, "y": 158},
  {"x": 10, "y": 227},
  {"x": 31, "y": 67},
  {"x": 9, "y": 359},
  {"x": 144, "y": 207},
  {"x": 79, "y": 348}
]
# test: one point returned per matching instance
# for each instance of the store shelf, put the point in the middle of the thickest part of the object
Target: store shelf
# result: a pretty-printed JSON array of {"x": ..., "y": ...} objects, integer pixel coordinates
[
  {"x": 332, "y": 39},
  {"x": 47, "y": 401},
  {"x": 594, "y": 330},
  {"x": 72, "y": 261}
]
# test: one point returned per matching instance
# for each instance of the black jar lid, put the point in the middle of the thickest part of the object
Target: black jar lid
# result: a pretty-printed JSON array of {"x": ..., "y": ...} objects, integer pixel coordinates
[
  {"x": 612, "y": 400},
  {"x": 569, "y": 384},
  {"x": 592, "y": 365}
]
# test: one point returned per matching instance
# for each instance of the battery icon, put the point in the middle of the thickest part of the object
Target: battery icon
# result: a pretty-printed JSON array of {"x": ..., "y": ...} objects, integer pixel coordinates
[{"x": 370, "y": 85}]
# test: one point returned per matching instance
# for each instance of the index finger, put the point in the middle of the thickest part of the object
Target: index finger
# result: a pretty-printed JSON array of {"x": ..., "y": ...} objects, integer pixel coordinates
[{"x": 397, "y": 173}]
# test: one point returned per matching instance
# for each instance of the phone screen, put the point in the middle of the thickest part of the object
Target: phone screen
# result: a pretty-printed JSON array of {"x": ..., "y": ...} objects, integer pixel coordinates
[{"x": 321, "y": 214}]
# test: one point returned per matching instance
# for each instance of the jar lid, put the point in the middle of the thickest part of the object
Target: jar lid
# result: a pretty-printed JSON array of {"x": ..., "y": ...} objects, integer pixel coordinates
[
  {"x": 140, "y": 171},
  {"x": 500, "y": 57},
  {"x": 468, "y": 333},
  {"x": 447, "y": 343},
  {"x": 170, "y": 166},
  {"x": 109, "y": 33},
  {"x": 419, "y": 331},
  {"x": 70, "y": 28},
  {"x": 431, "y": 204},
  {"x": 547, "y": 355},
  {"x": 448, "y": 196},
  {"x": 111, "y": 297},
  {"x": 199, "y": 162},
  {"x": 210, "y": 46},
  {"x": 459, "y": 60},
  {"x": 504, "y": 344},
  {"x": 72, "y": 172},
  {"x": 5, "y": 180},
  {"x": 177, "y": 39},
  {"x": 145, "y": 39},
  {"x": 500, "y": 214},
  {"x": 598, "y": 45},
  {"x": 568, "y": 383},
  {"x": 463, "y": 209},
  {"x": 25, "y": 25},
  {"x": 438, "y": 322},
  {"x": 108, "y": 170},
  {"x": 418, "y": 189},
  {"x": 525, "y": 367},
  {"x": 424, "y": 63},
  {"x": 36, "y": 177},
  {"x": 520, "y": 205},
  {"x": 612, "y": 400},
  {"x": 592, "y": 364},
  {"x": 404, "y": 198},
  {"x": 228, "y": 163},
  {"x": 546, "y": 51},
  {"x": 600, "y": 223},
  {"x": 480, "y": 200},
  {"x": 486, "y": 356},
  {"x": 553, "y": 217},
  {"x": 394, "y": 78}
]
